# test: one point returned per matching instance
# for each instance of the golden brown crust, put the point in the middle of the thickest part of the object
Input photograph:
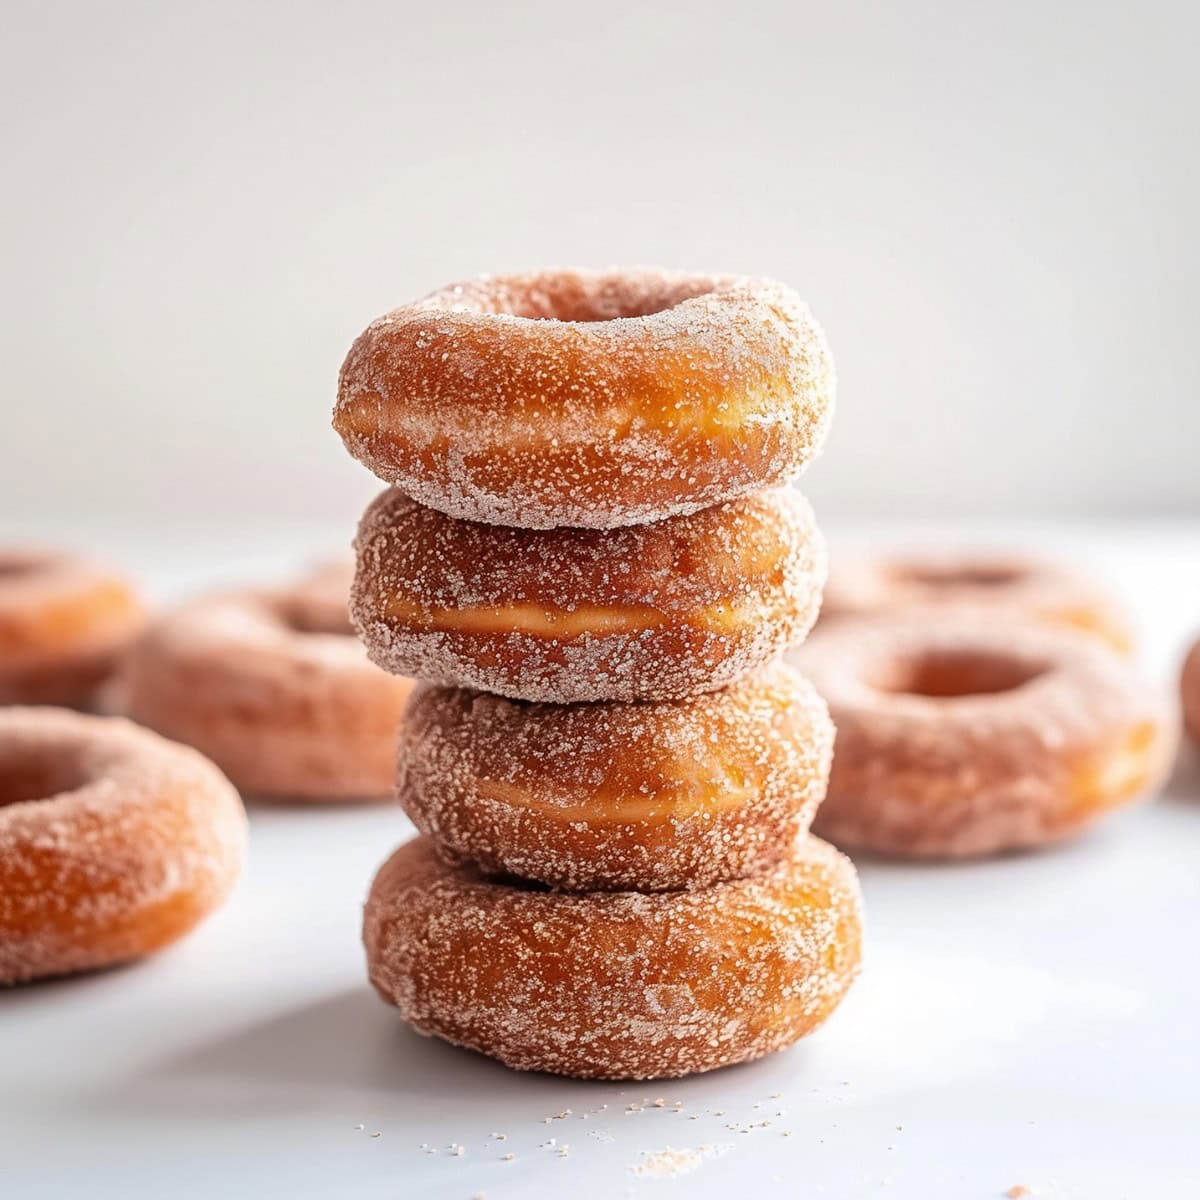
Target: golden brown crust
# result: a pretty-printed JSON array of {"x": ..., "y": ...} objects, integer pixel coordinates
[
  {"x": 966, "y": 733},
  {"x": 647, "y": 612},
  {"x": 64, "y": 625},
  {"x": 894, "y": 583},
  {"x": 284, "y": 708},
  {"x": 113, "y": 842},
  {"x": 588, "y": 399},
  {"x": 615, "y": 985},
  {"x": 1190, "y": 686},
  {"x": 677, "y": 794}
]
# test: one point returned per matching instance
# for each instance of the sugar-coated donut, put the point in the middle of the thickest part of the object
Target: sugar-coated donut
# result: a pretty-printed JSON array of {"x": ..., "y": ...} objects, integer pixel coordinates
[
  {"x": 113, "y": 842},
  {"x": 64, "y": 624},
  {"x": 1191, "y": 693},
  {"x": 615, "y": 985},
  {"x": 647, "y": 612},
  {"x": 593, "y": 399},
  {"x": 274, "y": 689},
  {"x": 1056, "y": 594},
  {"x": 609, "y": 796},
  {"x": 967, "y": 733}
]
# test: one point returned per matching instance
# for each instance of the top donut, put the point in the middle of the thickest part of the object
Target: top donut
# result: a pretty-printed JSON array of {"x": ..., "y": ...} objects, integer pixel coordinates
[{"x": 590, "y": 399}]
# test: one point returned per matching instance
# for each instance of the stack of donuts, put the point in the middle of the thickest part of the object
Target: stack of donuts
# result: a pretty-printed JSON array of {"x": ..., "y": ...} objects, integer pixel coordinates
[{"x": 587, "y": 557}]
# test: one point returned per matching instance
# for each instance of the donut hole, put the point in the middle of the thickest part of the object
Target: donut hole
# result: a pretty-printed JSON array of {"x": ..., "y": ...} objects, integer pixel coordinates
[
  {"x": 975, "y": 575},
  {"x": 17, "y": 568},
  {"x": 314, "y": 616},
  {"x": 25, "y": 776},
  {"x": 947, "y": 674},
  {"x": 594, "y": 299}
]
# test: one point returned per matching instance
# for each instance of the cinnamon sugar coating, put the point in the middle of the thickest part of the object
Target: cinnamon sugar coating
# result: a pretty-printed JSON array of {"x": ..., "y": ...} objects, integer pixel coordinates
[
  {"x": 269, "y": 685},
  {"x": 1190, "y": 688},
  {"x": 113, "y": 842},
  {"x": 592, "y": 399},
  {"x": 64, "y": 625},
  {"x": 967, "y": 732},
  {"x": 1049, "y": 592},
  {"x": 653, "y": 612},
  {"x": 666, "y": 795},
  {"x": 615, "y": 985}
]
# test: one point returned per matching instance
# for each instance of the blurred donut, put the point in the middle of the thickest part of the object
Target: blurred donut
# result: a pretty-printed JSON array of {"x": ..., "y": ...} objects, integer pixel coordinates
[
  {"x": 284, "y": 707},
  {"x": 588, "y": 399},
  {"x": 615, "y": 985},
  {"x": 1191, "y": 693},
  {"x": 670, "y": 795},
  {"x": 64, "y": 624},
  {"x": 113, "y": 842},
  {"x": 649, "y": 612},
  {"x": 891, "y": 583},
  {"x": 968, "y": 734}
]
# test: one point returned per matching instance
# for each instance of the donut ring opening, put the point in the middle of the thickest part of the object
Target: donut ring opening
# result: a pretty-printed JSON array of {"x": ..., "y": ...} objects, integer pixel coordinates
[
  {"x": 615, "y": 985},
  {"x": 577, "y": 299},
  {"x": 967, "y": 733},
  {"x": 953, "y": 674},
  {"x": 113, "y": 842}
]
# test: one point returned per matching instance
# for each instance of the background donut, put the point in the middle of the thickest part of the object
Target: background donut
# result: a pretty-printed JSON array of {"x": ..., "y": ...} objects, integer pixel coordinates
[
  {"x": 284, "y": 709},
  {"x": 978, "y": 733},
  {"x": 64, "y": 624},
  {"x": 615, "y": 985},
  {"x": 678, "y": 794},
  {"x": 895, "y": 582},
  {"x": 113, "y": 842},
  {"x": 592, "y": 399},
  {"x": 647, "y": 612},
  {"x": 1190, "y": 687}
]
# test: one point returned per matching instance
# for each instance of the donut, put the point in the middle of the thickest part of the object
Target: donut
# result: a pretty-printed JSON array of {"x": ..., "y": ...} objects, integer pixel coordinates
[
  {"x": 968, "y": 733},
  {"x": 615, "y": 985},
  {"x": 113, "y": 842},
  {"x": 648, "y": 612},
  {"x": 64, "y": 624},
  {"x": 657, "y": 796},
  {"x": 592, "y": 399},
  {"x": 981, "y": 579},
  {"x": 285, "y": 708},
  {"x": 1191, "y": 693}
]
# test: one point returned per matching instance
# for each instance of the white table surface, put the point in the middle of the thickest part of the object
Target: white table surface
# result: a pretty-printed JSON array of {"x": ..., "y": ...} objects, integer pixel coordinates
[{"x": 1027, "y": 1021}]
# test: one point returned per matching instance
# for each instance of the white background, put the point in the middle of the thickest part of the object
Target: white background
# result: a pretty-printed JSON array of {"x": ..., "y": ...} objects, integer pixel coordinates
[{"x": 991, "y": 207}]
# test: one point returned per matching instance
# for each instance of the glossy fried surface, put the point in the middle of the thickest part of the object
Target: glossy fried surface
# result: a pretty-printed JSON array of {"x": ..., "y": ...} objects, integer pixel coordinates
[
  {"x": 113, "y": 842},
  {"x": 64, "y": 624},
  {"x": 274, "y": 688},
  {"x": 592, "y": 399},
  {"x": 656, "y": 796},
  {"x": 655, "y": 611},
  {"x": 615, "y": 985},
  {"x": 967, "y": 733}
]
